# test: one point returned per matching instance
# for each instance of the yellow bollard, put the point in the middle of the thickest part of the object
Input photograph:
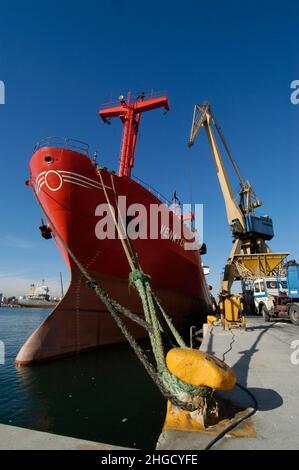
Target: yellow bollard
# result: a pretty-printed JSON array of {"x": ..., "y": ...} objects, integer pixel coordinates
[
  {"x": 180, "y": 420},
  {"x": 199, "y": 369}
]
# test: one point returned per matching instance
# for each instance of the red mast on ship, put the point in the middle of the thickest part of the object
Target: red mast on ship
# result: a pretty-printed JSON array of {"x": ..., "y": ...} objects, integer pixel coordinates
[{"x": 129, "y": 112}]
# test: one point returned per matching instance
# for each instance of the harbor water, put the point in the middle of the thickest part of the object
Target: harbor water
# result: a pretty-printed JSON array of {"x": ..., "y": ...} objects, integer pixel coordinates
[{"x": 103, "y": 396}]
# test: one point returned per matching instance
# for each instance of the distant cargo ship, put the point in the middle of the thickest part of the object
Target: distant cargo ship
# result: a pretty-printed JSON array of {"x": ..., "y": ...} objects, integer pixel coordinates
[{"x": 38, "y": 297}]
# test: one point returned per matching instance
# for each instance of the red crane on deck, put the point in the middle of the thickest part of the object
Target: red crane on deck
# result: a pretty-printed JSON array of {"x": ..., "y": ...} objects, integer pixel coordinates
[{"x": 129, "y": 112}]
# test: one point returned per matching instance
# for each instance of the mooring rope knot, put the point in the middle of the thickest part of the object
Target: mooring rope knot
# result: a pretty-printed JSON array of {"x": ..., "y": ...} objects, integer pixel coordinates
[{"x": 138, "y": 275}]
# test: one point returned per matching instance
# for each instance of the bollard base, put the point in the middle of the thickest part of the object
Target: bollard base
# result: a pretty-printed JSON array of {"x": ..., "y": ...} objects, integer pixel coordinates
[{"x": 181, "y": 420}]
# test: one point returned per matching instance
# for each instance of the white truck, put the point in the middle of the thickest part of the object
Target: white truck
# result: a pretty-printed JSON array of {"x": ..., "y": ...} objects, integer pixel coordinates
[
  {"x": 265, "y": 290},
  {"x": 276, "y": 297}
]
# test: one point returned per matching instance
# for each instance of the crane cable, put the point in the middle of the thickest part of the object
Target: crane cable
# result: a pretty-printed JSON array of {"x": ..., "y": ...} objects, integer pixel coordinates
[{"x": 218, "y": 128}]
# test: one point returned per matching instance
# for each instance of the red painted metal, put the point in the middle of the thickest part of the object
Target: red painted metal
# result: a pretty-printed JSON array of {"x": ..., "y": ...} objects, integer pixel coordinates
[
  {"x": 68, "y": 188},
  {"x": 80, "y": 321},
  {"x": 130, "y": 112}
]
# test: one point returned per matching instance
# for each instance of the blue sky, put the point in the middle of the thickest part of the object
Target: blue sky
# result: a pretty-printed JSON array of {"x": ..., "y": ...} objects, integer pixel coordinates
[{"x": 60, "y": 60}]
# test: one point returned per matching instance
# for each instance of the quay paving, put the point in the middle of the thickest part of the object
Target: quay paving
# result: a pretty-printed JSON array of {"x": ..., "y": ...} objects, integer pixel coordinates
[
  {"x": 261, "y": 360},
  {"x": 15, "y": 438}
]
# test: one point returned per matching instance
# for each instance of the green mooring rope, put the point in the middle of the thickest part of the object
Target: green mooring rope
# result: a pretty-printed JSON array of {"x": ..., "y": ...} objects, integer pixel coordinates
[
  {"x": 141, "y": 282},
  {"x": 170, "y": 386}
]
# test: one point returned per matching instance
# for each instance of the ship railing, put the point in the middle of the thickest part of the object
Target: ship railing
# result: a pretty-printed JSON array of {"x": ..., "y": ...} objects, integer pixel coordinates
[
  {"x": 156, "y": 193},
  {"x": 142, "y": 96},
  {"x": 170, "y": 204},
  {"x": 64, "y": 142}
]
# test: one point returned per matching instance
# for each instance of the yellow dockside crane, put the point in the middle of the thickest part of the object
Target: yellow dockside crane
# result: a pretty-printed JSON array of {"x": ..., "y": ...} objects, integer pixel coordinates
[{"x": 250, "y": 252}]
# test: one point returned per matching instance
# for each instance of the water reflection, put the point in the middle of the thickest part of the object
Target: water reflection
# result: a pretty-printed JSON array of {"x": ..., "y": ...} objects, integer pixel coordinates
[{"x": 103, "y": 395}]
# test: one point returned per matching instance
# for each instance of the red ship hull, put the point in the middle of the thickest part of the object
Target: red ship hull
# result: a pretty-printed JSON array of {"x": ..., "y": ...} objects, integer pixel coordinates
[{"x": 68, "y": 187}]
